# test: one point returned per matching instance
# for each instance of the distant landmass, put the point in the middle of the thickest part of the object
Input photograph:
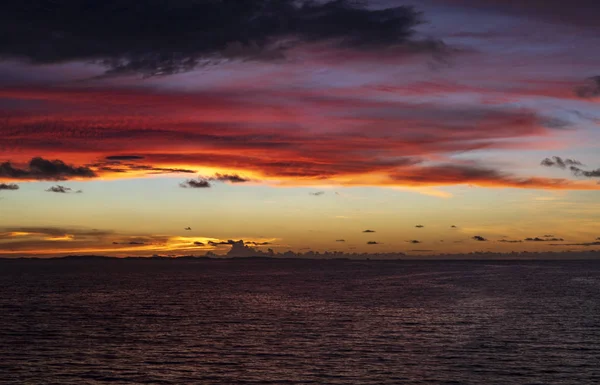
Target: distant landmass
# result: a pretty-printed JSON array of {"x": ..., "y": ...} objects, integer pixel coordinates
[{"x": 336, "y": 256}]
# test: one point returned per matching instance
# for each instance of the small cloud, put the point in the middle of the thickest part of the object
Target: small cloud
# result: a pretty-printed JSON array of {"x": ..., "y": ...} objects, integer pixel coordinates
[
  {"x": 231, "y": 178},
  {"x": 195, "y": 183},
  {"x": 124, "y": 157},
  {"x": 510, "y": 241},
  {"x": 368, "y": 231},
  {"x": 557, "y": 161},
  {"x": 373, "y": 243},
  {"x": 188, "y": 228},
  {"x": 252, "y": 243},
  {"x": 59, "y": 189},
  {"x": 340, "y": 240},
  {"x": 414, "y": 241},
  {"x": 79, "y": 192},
  {"x": 548, "y": 236},
  {"x": 479, "y": 238},
  {"x": 453, "y": 227},
  {"x": 419, "y": 226},
  {"x": 198, "y": 244},
  {"x": 318, "y": 193},
  {"x": 130, "y": 243},
  {"x": 9, "y": 186}
]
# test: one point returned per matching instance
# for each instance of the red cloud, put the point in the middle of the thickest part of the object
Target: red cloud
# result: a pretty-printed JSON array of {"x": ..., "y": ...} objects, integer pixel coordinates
[{"x": 275, "y": 134}]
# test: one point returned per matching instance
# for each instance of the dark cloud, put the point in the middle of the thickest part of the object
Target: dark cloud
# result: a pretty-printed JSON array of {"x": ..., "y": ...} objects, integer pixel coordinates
[
  {"x": 589, "y": 90},
  {"x": 479, "y": 238},
  {"x": 130, "y": 243},
  {"x": 231, "y": 178},
  {"x": 419, "y": 226},
  {"x": 368, "y": 231},
  {"x": 195, "y": 183},
  {"x": 557, "y": 161},
  {"x": 510, "y": 241},
  {"x": 548, "y": 236},
  {"x": 59, "y": 189},
  {"x": 340, "y": 240},
  {"x": 538, "y": 239},
  {"x": 165, "y": 37},
  {"x": 219, "y": 243},
  {"x": 124, "y": 157},
  {"x": 8, "y": 186},
  {"x": 414, "y": 241},
  {"x": 577, "y": 244},
  {"x": 573, "y": 165},
  {"x": 318, "y": 193},
  {"x": 150, "y": 169},
  {"x": 588, "y": 174},
  {"x": 198, "y": 244},
  {"x": 257, "y": 243},
  {"x": 188, "y": 228},
  {"x": 43, "y": 169},
  {"x": 453, "y": 227},
  {"x": 373, "y": 243}
]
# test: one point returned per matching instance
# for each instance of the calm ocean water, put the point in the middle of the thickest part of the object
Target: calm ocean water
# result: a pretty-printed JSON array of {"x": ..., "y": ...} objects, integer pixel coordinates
[{"x": 299, "y": 322}]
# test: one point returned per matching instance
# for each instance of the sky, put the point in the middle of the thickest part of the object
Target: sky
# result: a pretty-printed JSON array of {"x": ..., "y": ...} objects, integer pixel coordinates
[{"x": 375, "y": 127}]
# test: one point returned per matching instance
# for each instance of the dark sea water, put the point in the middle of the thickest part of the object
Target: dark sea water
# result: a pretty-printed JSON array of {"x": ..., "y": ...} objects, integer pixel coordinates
[{"x": 299, "y": 322}]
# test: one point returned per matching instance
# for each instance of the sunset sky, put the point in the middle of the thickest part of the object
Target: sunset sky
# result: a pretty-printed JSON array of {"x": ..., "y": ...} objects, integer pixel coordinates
[{"x": 141, "y": 128}]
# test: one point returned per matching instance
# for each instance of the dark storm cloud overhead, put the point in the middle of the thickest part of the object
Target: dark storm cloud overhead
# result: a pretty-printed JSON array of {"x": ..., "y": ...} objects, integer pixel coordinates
[
  {"x": 195, "y": 183},
  {"x": 164, "y": 37},
  {"x": 59, "y": 189},
  {"x": 43, "y": 169},
  {"x": 479, "y": 238},
  {"x": 557, "y": 161},
  {"x": 8, "y": 186},
  {"x": 591, "y": 89}
]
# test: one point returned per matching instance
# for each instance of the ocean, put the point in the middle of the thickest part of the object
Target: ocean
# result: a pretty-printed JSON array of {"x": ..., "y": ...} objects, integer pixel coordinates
[{"x": 299, "y": 322}]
